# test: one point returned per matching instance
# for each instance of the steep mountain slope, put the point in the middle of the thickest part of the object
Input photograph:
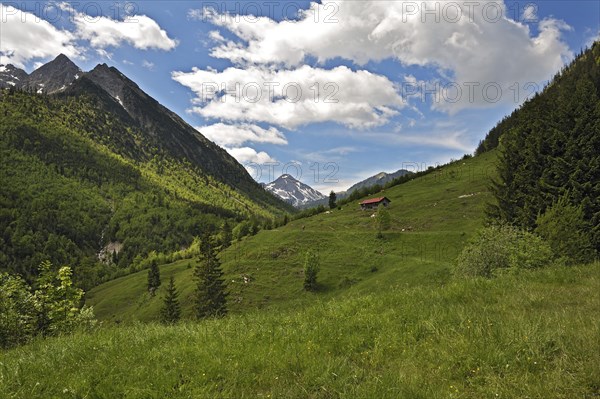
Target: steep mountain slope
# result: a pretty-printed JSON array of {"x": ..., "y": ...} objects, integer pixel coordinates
[
  {"x": 167, "y": 130},
  {"x": 81, "y": 177},
  {"x": 432, "y": 217},
  {"x": 293, "y": 191}
]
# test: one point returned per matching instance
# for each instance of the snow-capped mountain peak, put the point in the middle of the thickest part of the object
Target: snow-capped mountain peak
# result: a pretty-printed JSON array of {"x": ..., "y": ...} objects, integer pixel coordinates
[{"x": 293, "y": 191}]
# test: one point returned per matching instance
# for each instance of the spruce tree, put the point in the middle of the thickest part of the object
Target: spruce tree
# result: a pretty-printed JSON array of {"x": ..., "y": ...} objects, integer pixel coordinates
[
  {"x": 332, "y": 199},
  {"x": 153, "y": 278},
  {"x": 171, "y": 311},
  {"x": 210, "y": 297}
]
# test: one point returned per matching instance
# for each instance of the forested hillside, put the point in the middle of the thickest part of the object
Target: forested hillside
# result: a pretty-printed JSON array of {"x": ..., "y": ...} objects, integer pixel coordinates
[
  {"x": 78, "y": 174},
  {"x": 549, "y": 150}
]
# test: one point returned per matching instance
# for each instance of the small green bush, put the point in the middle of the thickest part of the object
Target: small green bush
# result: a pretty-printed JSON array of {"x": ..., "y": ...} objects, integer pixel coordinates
[
  {"x": 564, "y": 227},
  {"x": 502, "y": 247},
  {"x": 311, "y": 269},
  {"x": 53, "y": 308}
]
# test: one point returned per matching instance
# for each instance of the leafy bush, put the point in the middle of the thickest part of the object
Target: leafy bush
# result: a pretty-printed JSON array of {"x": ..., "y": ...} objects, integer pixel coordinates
[
  {"x": 383, "y": 220},
  {"x": 564, "y": 227},
  {"x": 53, "y": 308},
  {"x": 502, "y": 247},
  {"x": 17, "y": 311}
]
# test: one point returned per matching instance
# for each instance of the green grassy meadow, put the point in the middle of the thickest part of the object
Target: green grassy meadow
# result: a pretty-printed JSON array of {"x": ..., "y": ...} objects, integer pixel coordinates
[
  {"x": 532, "y": 334},
  {"x": 430, "y": 224},
  {"x": 388, "y": 321}
]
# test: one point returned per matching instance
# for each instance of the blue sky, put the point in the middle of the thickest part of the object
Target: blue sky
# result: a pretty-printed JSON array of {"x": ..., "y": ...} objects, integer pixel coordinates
[{"x": 369, "y": 86}]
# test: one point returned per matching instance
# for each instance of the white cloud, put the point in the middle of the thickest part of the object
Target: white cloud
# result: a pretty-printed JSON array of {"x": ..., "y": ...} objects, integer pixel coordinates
[
  {"x": 103, "y": 53},
  {"x": 451, "y": 140},
  {"x": 236, "y": 135},
  {"x": 292, "y": 98},
  {"x": 331, "y": 155},
  {"x": 454, "y": 140},
  {"x": 216, "y": 36},
  {"x": 140, "y": 31},
  {"x": 245, "y": 155},
  {"x": 469, "y": 41},
  {"x": 25, "y": 37},
  {"x": 148, "y": 65}
]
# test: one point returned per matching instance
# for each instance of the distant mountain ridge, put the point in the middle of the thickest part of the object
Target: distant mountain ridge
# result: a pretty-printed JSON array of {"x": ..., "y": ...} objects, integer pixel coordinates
[
  {"x": 380, "y": 178},
  {"x": 50, "y": 78},
  {"x": 293, "y": 191}
]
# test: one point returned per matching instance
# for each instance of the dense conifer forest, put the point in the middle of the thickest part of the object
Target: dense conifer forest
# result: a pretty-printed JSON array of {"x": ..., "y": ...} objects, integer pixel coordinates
[{"x": 550, "y": 149}]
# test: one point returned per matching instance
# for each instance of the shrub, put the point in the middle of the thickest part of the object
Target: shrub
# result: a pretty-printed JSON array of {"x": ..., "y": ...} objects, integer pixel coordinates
[
  {"x": 502, "y": 247},
  {"x": 311, "y": 269},
  {"x": 383, "y": 220},
  {"x": 52, "y": 309},
  {"x": 17, "y": 311},
  {"x": 564, "y": 228}
]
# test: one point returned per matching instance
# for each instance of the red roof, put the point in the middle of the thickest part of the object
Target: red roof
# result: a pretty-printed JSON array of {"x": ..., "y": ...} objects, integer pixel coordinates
[{"x": 374, "y": 200}]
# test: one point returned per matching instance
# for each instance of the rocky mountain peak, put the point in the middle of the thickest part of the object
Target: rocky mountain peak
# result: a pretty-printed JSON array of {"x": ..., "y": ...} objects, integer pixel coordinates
[{"x": 53, "y": 76}]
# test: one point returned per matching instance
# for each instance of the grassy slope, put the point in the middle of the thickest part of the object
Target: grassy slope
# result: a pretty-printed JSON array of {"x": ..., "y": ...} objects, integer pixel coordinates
[
  {"x": 532, "y": 334},
  {"x": 435, "y": 220}
]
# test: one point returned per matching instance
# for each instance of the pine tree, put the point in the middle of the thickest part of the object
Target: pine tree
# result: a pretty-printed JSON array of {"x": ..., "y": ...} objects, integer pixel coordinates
[
  {"x": 210, "y": 297},
  {"x": 171, "y": 311},
  {"x": 153, "y": 278},
  {"x": 332, "y": 199}
]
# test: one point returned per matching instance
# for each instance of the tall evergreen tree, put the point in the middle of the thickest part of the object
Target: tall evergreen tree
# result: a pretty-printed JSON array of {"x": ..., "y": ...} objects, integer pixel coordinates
[
  {"x": 210, "y": 297},
  {"x": 153, "y": 277},
  {"x": 332, "y": 199},
  {"x": 171, "y": 311}
]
